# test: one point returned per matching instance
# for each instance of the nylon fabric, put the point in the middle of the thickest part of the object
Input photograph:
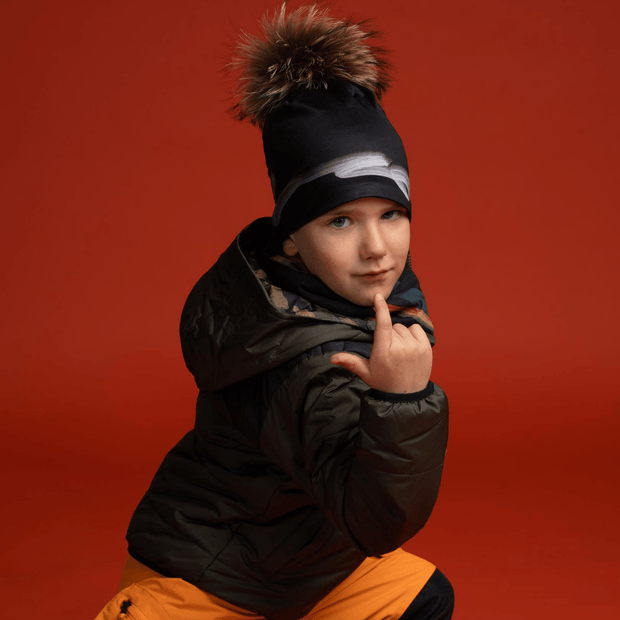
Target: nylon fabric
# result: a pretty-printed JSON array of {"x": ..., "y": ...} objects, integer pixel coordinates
[
  {"x": 380, "y": 589},
  {"x": 295, "y": 471}
]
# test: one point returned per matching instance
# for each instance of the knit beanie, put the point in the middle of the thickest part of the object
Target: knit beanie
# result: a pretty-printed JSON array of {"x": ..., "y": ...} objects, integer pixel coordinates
[{"x": 312, "y": 84}]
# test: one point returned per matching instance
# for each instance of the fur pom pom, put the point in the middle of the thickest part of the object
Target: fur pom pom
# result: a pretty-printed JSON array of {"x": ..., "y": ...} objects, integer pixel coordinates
[{"x": 303, "y": 49}]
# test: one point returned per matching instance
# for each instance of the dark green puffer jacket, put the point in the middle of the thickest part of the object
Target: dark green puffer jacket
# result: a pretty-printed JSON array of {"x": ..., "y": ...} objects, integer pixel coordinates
[{"x": 295, "y": 470}]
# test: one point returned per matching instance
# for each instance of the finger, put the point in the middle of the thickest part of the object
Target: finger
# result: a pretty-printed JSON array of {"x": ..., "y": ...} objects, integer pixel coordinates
[
  {"x": 383, "y": 330},
  {"x": 401, "y": 330},
  {"x": 355, "y": 364},
  {"x": 418, "y": 333}
]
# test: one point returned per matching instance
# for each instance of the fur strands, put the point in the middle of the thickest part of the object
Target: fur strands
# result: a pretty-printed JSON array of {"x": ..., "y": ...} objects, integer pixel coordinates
[{"x": 303, "y": 49}]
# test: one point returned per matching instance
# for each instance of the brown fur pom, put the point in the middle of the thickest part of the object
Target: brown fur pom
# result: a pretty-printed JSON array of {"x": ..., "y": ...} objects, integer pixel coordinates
[{"x": 303, "y": 49}]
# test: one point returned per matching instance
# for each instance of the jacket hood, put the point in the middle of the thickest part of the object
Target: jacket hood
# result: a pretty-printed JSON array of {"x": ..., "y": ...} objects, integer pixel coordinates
[{"x": 236, "y": 323}]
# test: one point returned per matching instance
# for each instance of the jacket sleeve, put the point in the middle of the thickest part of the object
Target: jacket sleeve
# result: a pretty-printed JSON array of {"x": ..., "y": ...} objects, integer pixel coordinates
[{"x": 371, "y": 461}]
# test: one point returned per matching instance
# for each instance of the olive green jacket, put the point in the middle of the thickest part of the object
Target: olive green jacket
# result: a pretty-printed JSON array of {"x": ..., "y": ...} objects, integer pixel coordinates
[{"x": 295, "y": 470}]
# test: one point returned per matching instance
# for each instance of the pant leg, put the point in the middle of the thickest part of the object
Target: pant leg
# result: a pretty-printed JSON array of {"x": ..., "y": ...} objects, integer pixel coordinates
[
  {"x": 379, "y": 589},
  {"x": 146, "y": 595},
  {"x": 434, "y": 602}
]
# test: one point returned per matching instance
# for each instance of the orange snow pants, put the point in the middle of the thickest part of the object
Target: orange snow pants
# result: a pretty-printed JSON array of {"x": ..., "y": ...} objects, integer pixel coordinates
[{"x": 380, "y": 589}]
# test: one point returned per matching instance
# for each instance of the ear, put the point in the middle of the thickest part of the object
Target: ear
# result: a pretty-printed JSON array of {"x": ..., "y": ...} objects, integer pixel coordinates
[{"x": 290, "y": 247}]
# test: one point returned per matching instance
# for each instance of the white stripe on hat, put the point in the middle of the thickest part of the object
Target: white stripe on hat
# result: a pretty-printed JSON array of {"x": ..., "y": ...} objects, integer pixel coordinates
[{"x": 350, "y": 166}]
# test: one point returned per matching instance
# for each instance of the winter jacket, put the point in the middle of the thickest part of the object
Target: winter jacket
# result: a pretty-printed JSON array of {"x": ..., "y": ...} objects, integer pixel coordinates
[{"x": 295, "y": 470}]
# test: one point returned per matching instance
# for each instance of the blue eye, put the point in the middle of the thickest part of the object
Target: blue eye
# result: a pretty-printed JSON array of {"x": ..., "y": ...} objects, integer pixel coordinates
[
  {"x": 391, "y": 215},
  {"x": 339, "y": 222}
]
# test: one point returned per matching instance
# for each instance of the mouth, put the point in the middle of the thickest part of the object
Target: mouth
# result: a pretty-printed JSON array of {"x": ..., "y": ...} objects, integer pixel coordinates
[{"x": 374, "y": 274}]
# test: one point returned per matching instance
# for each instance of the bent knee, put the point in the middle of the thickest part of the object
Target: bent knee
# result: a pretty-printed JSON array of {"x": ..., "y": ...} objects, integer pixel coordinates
[{"x": 434, "y": 602}]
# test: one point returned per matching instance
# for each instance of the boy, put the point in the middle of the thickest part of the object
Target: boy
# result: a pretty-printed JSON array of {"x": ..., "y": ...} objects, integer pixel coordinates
[{"x": 319, "y": 439}]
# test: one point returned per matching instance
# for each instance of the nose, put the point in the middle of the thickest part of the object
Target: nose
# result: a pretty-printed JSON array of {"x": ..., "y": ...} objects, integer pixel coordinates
[{"x": 372, "y": 243}]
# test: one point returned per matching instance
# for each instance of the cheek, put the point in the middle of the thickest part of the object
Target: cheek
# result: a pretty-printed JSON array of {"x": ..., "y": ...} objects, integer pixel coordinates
[
  {"x": 403, "y": 242},
  {"x": 330, "y": 254},
  {"x": 405, "y": 249},
  {"x": 332, "y": 264},
  {"x": 322, "y": 258}
]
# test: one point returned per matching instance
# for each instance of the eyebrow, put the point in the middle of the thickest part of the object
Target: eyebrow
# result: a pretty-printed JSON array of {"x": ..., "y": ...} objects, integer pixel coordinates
[
  {"x": 343, "y": 210},
  {"x": 339, "y": 211}
]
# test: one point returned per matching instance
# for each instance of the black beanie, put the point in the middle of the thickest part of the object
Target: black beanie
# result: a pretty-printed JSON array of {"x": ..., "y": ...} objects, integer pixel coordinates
[
  {"x": 312, "y": 83},
  {"x": 326, "y": 147}
]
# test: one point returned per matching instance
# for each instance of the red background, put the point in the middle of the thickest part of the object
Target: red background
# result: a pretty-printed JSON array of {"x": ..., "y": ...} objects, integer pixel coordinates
[{"x": 123, "y": 179}]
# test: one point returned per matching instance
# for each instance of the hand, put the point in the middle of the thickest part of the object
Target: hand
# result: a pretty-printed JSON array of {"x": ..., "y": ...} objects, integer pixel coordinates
[{"x": 401, "y": 358}]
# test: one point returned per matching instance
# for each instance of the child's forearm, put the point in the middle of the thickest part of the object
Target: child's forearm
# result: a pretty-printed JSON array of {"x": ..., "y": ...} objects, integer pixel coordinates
[{"x": 371, "y": 461}]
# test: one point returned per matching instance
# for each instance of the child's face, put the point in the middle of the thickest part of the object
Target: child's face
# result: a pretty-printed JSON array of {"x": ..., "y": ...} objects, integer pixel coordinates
[{"x": 357, "y": 249}]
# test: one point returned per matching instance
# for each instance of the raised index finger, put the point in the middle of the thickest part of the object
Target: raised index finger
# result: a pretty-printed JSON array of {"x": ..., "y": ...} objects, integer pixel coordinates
[{"x": 383, "y": 331}]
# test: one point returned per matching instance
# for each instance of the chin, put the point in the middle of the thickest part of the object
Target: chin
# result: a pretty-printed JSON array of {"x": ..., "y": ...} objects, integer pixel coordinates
[
  {"x": 364, "y": 295},
  {"x": 368, "y": 299}
]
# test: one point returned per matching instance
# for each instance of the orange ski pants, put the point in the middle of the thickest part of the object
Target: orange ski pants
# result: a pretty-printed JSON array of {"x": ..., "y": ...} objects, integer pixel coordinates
[{"x": 380, "y": 589}]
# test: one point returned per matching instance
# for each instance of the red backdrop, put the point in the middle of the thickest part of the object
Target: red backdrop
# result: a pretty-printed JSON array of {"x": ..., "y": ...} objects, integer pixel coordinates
[{"x": 123, "y": 179}]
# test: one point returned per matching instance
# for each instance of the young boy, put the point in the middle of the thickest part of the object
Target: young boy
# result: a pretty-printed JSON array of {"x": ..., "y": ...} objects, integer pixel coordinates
[{"x": 319, "y": 440}]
